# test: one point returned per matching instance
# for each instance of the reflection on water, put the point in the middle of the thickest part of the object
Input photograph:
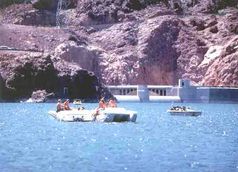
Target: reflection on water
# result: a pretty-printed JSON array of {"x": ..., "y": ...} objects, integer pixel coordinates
[{"x": 31, "y": 140}]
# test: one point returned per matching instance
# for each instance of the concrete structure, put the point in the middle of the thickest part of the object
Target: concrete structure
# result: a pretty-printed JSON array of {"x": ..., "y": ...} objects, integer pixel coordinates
[
  {"x": 144, "y": 93},
  {"x": 183, "y": 92}
]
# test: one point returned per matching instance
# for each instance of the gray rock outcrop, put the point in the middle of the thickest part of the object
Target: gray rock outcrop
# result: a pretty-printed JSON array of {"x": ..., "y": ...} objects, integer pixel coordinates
[
  {"x": 25, "y": 14},
  {"x": 45, "y": 4},
  {"x": 38, "y": 96},
  {"x": 34, "y": 71}
]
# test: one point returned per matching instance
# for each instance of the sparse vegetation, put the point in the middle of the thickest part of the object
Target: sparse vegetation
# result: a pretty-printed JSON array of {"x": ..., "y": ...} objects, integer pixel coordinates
[
  {"x": 149, "y": 2},
  {"x": 226, "y": 3},
  {"x": 5, "y": 3}
]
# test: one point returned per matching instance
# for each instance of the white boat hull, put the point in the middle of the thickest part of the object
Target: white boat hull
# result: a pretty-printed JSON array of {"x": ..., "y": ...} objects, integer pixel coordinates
[
  {"x": 72, "y": 115},
  {"x": 185, "y": 113},
  {"x": 117, "y": 115},
  {"x": 107, "y": 115}
]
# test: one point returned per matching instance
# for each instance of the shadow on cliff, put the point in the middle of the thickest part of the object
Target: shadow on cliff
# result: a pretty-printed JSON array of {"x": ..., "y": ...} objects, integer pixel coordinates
[{"x": 39, "y": 73}]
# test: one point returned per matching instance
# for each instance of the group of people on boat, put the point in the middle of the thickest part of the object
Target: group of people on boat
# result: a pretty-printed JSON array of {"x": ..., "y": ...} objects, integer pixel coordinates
[
  {"x": 61, "y": 106},
  {"x": 179, "y": 108},
  {"x": 103, "y": 104}
]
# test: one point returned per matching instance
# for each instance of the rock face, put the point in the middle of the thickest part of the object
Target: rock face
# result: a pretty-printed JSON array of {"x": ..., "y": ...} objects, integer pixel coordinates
[
  {"x": 159, "y": 35},
  {"x": 26, "y": 15},
  {"x": 76, "y": 82},
  {"x": 111, "y": 11},
  {"x": 37, "y": 18},
  {"x": 1, "y": 87},
  {"x": 30, "y": 72},
  {"x": 131, "y": 52},
  {"x": 85, "y": 57},
  {"x": 106, "y": 11},
  {"x": 224, "y": 71},
  {"x": 23, "y": 75},
  {"x": 45, "y": 4},
  {"x": 116, "y": 42}
]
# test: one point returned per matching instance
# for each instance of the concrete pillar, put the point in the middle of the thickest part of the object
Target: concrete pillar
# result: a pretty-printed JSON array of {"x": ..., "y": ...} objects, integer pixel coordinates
[
  {"x": 184, "y": 83},
  {"x": 187, "y": 93},
  {"x": 66, "y": 92},
  {"x": 143, "y": 93}
]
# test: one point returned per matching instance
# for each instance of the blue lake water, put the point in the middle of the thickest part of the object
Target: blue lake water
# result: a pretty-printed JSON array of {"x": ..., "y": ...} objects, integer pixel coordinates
[{"x": 31, "y": 140}]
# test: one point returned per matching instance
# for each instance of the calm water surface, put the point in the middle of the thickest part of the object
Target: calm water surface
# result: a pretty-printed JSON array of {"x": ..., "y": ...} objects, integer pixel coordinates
[{"x": 31, "y": 140}]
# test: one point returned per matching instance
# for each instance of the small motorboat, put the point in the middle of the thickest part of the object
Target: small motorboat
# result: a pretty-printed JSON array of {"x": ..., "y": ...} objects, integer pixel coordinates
[
  {"x": 77, "y": 102},
  {"x": 183, "y": 111},
  {"x": 104, "y": 115}
]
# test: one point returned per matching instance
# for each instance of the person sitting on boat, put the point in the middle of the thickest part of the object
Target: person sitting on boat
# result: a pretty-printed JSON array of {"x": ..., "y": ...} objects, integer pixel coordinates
[
  {"x": 66, "y": 105},
  {"x": 59, "y": 106},
  {"x": 112, "y": 103},
  {"x": 102, "y": 104}
]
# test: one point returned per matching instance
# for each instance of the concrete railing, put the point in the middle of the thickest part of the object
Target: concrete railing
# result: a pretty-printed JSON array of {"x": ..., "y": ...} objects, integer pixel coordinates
[
  {"x": 144, "y": 93},
  {"x": 184, "y": 92}
]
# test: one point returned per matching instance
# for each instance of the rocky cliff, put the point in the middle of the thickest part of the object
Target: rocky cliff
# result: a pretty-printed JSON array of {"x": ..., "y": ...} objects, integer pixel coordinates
[{"x": 99, "y": 42}]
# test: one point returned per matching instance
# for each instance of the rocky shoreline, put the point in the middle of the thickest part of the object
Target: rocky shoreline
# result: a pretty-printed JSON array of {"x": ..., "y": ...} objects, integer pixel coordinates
[{"x": 114, "y": 42}]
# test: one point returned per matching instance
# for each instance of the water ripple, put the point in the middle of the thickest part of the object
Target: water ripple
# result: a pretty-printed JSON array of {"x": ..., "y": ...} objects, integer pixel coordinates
[{"x": 33, "y": 141}]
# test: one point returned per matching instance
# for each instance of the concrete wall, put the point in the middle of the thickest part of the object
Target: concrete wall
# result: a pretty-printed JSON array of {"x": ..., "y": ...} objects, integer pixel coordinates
[
  {"x": 123, "y": 90},
  {"x": 188, "y": 94},
  {"x": 203, "y": 94},
  {"x": 223, "y": 95},
  {"x": 208, "y": 94},
  {"x": 173, "y": 91},
  {"x": 143, "y": 93},
  {"x": 184, "y": 92},
  {"x": 184, "y": 83}
]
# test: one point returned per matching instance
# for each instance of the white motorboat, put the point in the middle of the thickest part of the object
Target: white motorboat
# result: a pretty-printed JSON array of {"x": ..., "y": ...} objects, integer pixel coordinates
[
  {"x": 183, "y": 111},
  {"x": 73, "y": 115},
  {"x": 77, "y": 102},
  {"x": 106, "y": 115}
]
